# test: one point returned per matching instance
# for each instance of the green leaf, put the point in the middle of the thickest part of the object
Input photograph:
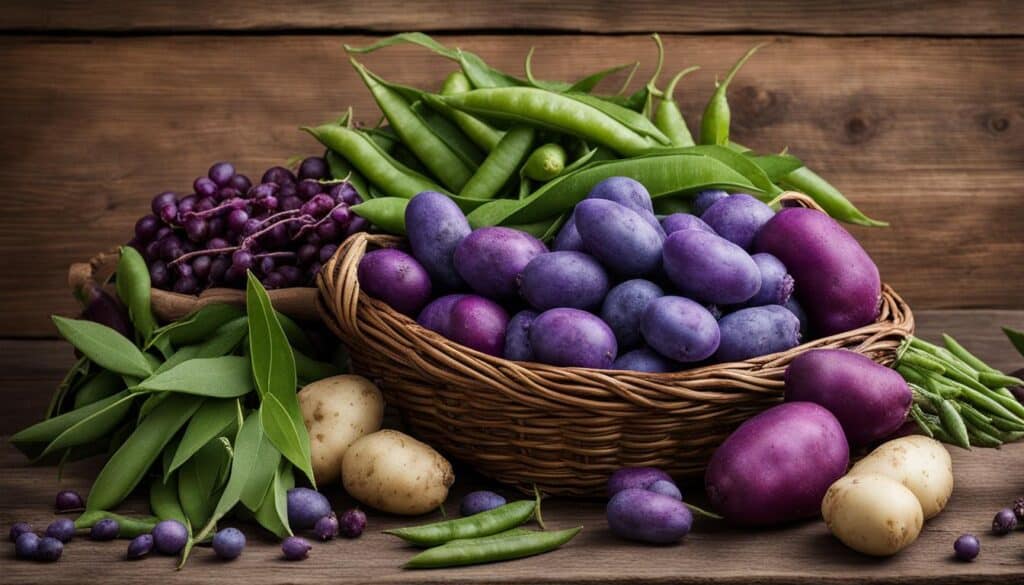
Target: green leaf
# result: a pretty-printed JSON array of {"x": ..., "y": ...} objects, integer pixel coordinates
[
  {"x": 74, "y": 378},
  {"x": 198, "y": 326},
  {"x": 273, "y": 365},
  {"x": 98, "y": 387},
  {"x": 1016, "y": 338},
  {"x": 309, "y": 370},
  {"x": 49, "y": 429},
  {"x": 295, "y": 334},
  {"x": 220, "y": 377},
  {"x": 273, "y": 511},
  {"x": 287, "y": 431},
  {"x": 133, "y": 459},
  {"x": 133, "y": 288},
  {"x": 223, "y": 342},
  {"x": 104, "y": 346},
  {"x": 93, "y": 427},
  {"x": 261, "y": 476},
  {"x": 151, "y": 402},
  {"x": 163, "y": 500},
  {"x": 199, "y": 481},
  {"x": 214, "y": 418}
]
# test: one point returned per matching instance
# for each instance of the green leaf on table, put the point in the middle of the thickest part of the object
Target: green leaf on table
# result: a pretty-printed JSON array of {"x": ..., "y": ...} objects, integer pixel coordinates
[
  {"x": 104, "y": 346},
  {"x": 133, "y": 288},
  {"x": 214, "y": 418},
  {"x": 93, "y": 427},
  {"x": 224, "y": 341},
  {"x": 1016, "y": 338},
  {"x": 49, "y": 429},
  {"x": 273, "y": 511},
  {"x": 287, "y": 431},
  {"x": 198, "y": 326},
  {"x": 199, "y": 481},
  {"x": 220, "y": 377},
  {"x": 163, "y": 499}
]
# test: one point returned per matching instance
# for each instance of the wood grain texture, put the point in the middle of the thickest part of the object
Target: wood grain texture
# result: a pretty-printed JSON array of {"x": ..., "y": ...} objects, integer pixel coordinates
[
  {"x": 927, "y": 134},
  {"x": 804, "y": 554},
  {"x": 886, "y": 17}
]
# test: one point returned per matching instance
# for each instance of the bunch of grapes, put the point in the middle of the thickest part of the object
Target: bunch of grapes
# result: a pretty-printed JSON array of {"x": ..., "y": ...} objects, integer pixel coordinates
[{"x": 282, "y": 229}]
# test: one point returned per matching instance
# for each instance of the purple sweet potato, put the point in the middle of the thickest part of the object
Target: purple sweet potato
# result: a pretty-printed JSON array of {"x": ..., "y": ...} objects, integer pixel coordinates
[
  {"x": 491, "y": 259},
  {"x": 571, "y": 337},
  {"x": 711, "y": 269},
  {"x": 396, "y": 278}
]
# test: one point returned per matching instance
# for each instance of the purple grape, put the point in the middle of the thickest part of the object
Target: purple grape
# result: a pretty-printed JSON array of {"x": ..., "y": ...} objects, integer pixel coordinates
[
  {"x": 215, "y": 226},
  {"x": 329, "y": 231},
  {"x": 287, "y": 190},
  {"x": 269, "y": 203},
  {"x": 251, "y": 226},
  {"x": 182, "y": 269},
  {"x": 341, "y": 215},
  {"x": 967, "y": 547},
  {"x": 345, "y": 193},
  {"x": 234, "y": 275},
  {"x": 279, "y": 175},
  {"x": 290, "y": 202},
  {"x": 1003, "y": 523},
  {"x": 295, "y": 548},
  {"x": 187, "y": 285},
  {"x": 291, "y": 274},
  {"x": 279, "y": 235},
  {"x": 313, "y": 239},
  {"x": 327, "y": 251},
  {"x": 170, "y": 248},
  {"x": 17, "y": 529},
  {"x": 49, "y": 549},
  {"x": 63, "y": 529},
  {"x": 218, "y": 266},
  {"x": 26, "y": 545},
  {"x": 205, "y": 204},
  {"x": 265, "y": 265},
  {"x": 241, "y": 183},
  {"x": 242, "y": 259},
  {"x": 188, "y": 246},
  {"x": 146, "y": 228},
  {"x": 216, "y": 243},
  {"x": 313, "y": 167},
  {"x": 201, "y": 267},
  {"x": 221, "y": 173},
  {"x": 163, "y": 232},
  {"x": 140, "y": 546},
  {"x": 228, "y": 543},
  {"x": 187, "y": 204},
  {"x": 358, "y": 224},
  {"x": 151, "y": 251},
  {"x": 237, "y": 219},
  {"x": 204, "y": 186},
  {"x": 307, "y": 189},
  {"x": 307, "y": 253},
  {"x": 352, "y": 523},
  {"x": 68, "y": 500},
  {"x": 196, "y": 229},
  {"x": 274, "y": 280},
  {"x": 168, "y": 213},
  {"x": 226, "y": 193},
  {"x": 326, "y": 528},
  {"x": 264, "y": 190},
  {"x": 313, "y": 270},
  {"x": 105, "y": 529},
  {"x": 163, "y": 200},
  {"x": 158, "y": 275},
  {"x": 318, "y": 206},
  {"x": 169, "y": 537}
]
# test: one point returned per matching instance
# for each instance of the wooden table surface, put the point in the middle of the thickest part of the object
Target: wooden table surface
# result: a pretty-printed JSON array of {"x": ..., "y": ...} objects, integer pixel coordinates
[{"x": 913, "y": 108}]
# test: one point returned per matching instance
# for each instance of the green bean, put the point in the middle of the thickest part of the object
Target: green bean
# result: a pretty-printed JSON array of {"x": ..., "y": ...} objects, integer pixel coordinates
[
  {"x": 545, "y": 163},
  {"x": 923, "y": 361},
  {"x": 373, "y": 163},
  {"x": 954, "y": 424},
  {"x": 668, "y": 118},
  {"x": 341, "y": 169},
  {"x": 631, "y": 119},
  {"x": 501, "y": 164},
  {"x": 133, "y": 288},
  {"x": 483, "y": 524},
  {"x": 983, "y": 439},
  {"x": 128, "y": 526},
  {"x": 483, "y": 134},
  {"x": 1007, "y": 425},
  {"x": 666, "y": 175},
  {"x": 476, "y": 551},
  {"x": 387, "y": 213},
  {"x": 967, "y": 357},
  {"x": 163, "y": 500},
  {"x": 448, "y": 132},
  {"x": 714, "y": 124},
  {"x": 986, "y": 402},
  {"x": 554, "y": 111},
  {"x": 918, "y": 416},
  {"x": 828, "y": 197},
  {"x": 996, "y": 380},
  {"x": 428, "y": 147}
]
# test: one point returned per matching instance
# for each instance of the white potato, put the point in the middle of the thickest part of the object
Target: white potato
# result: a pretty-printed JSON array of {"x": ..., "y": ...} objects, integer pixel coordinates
[
  {"x": 337, "y": 411},
  {"x": 394, "y": 472},
  {"x": 872, "y": 514},
  {"x": 918, "y": 462}
]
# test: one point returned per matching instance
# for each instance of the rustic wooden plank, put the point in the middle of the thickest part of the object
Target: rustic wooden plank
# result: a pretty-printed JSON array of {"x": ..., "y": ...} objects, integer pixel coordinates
[
  {"x": 937, "y": 17},
  {"x": 713, "y": 553},
  {"x": 928, "y": 134}
]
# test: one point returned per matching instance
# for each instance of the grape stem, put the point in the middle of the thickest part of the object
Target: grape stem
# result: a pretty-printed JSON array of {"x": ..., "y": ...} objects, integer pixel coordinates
[{"x": 312, "y": 226}]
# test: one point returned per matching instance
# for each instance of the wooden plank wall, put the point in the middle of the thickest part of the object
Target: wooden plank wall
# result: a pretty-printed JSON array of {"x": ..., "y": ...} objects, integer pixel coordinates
[{"x": 915, "y": 109}]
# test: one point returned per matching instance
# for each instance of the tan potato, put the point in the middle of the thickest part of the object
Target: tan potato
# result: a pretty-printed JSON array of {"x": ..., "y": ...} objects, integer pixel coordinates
[
  {"x": 394, "y": 472},
  {"x": 337, "y": 411},
  {"x": 872, "y": 514},
  {"x": 918, "y": 462}
]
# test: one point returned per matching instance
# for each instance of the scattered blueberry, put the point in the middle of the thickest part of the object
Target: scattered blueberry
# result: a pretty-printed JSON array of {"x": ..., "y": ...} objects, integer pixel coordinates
[
  {"x": 105, "y": 529},
  {"x": 967, "y": 547},
  {"x": 1004, "y": 522},
  {"x": 140, "y": 546},
  {"x": 228, "y": 543},
  {"x": 352, "y": 523},
  {"x": 49, "y": 549},
  {"x": 63, "y": 529},
  {"x": 295, "y": 548},
  {"x": 68, "y": 500},
  {"x": 326, "y": 528},
  {"x": 169, "y": 537},
  {"x": 19, "y": 528},
  {"x": 26, "y": 545}
]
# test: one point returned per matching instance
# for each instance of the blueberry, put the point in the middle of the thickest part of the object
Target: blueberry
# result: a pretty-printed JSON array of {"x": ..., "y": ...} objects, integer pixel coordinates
[
  {"x": 295, "y": 548},
  {"x": 169, "y": 537},
  {"x": 49, "y": 549},
  {"x": 19, "y": 528},
  {"x": 326, "y": 528},
  {"x": 105, "y": 529},
  {"x": 140, "y": 546},
  {"x": 1004, "y": 522},
  {"x": 69, "y": 500},
  {"x": 352, "y": 523},
  {"x": 228, "y": 543},
  {"x": 63, "y": 529},
  {"x": 26, "y": 545},
  {"x": 967, "y": 547}
]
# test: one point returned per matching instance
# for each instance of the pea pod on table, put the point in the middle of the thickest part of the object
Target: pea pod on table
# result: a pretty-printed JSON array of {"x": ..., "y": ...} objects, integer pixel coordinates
[
  {"x": 501, "y": 164},
  {"x": 483, "y": 134},
  {"x": 483, "y": 524},
  {"x": 500, "y": 547},
  {"x": 545, "y": 163}
]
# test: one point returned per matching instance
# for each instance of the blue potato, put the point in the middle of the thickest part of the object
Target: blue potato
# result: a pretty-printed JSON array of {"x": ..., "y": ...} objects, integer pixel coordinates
[
  {"x": 564, "y": 279},
  {"x": 646, "y": 516},
  {"x": 618, "y": 237},
  {"x": 684, "y": 221},
  {"x": 776, "y": 283},
  {"x": 517, "y": 336},
  {"x": 624, "y": 307},
  {"x": 706, "y": 199},
  {"x": 757, "y": 331},
  {"x": 435, "y": 225},
  {"x": 491, "y": 259},
  {"x": 680, "y": 329},
  {"x": 645, "y": 359},
  {"x": 568, "y": 238},
  {"x": 628, "y": 193},
  {"x": 710, "y": 269},
  {"x": 738, "y": 218},
  {"x": 571, "y": 337}
]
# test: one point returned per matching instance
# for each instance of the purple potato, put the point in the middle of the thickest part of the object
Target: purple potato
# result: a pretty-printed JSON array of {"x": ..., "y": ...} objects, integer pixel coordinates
[
  {"x": 624, "y": 191},
  {"x": 517, "y": 336},
  {"x": 437, "y": 315},
  {"x": 738, "y": 218},
  {"x": 757, "y": 331},
  {"x": 684, "y": 221},
  {"x": 491, "y": 260},
  {"x": 435, "y": 225},
  {"x": 869, "y": 400},
  {"x": 169, "y": 537},
  {"x": 352, "y": 523},
  {"x": 229, "y": 542},
  {"x": 327, "y": 527},
  {"x": 479, "y": 324},
  {"x": 706, "y": 199},
  {"x": 571, "y": 337},
  {"x": 624, "y": 308},
  {"x": 564, "y": 279},
  {"x": 139, "y": 546},
  {"x": 480, "y": 501},
  {"x": 710, "y": 269},
  {"x": 568, "y": 238},
  {"x": 635, "y": 477},
  {"x": 295, "y": 548},
  {"x": 645, "y": 359},
  {"x": 777, "y": 466},
  {"x": 666, "y": 488},
  {"x": 619, "y": 237},
  {"x": 305, "y": 507},
  {"x": 17, "y": 529},
  {"x": 638, "y": 514},
  {"x": 776, "y": 283},
  {"x": 396, "y": 278},
  {"x": 680, "y": 329},
  {"x": 49, "y": 549},
  {"x": 794, "y": 307}
]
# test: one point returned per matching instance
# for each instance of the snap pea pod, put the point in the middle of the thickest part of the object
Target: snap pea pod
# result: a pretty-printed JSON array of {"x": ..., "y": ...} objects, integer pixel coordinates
[
  {"x": 483, "y": 134},
  {"x": 982, "y": 439},
  {"x": 501, "y": 164},
  {"x": 341, "y": 169},
  {"x": 671, "y": 174},
  {"x": 387, "y": 213},
  {"x": 429, "y": 148},
  {"x": 451, "y": 134},
  {"x": 965, "y": 356},
  {"x": 998, "y": 380},
  {"x": 545, "y": 163},
  {"x": 715, "y": 122},
  {"x": 128, "y": 526},
  {"x": 667, "y": 116},
  {"x": 554, "y": 111},
  {"x": 953, "y": 423},
  {"x": 631, "y": 119},
  {"x": 483, "y": 524},
  {"x": 828, "y": 197},
  {"x": 488, "y": 550}
]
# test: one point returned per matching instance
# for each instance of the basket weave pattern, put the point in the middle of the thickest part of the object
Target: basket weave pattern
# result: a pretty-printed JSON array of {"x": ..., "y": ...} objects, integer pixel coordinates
[{"x": 563, "y": 429}]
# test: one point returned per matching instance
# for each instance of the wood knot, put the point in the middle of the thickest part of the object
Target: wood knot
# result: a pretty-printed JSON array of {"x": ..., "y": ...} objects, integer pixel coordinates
[
  {"x": 758, "y": 107},
  {"x": 998, "y": 124}
]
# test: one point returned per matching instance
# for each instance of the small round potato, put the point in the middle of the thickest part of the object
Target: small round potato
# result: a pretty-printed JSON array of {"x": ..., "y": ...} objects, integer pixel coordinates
[
  {"x": 918, "y": 462},
  {"x": 337, "y": 411},
  {"x": 872, "y": 514},
  {"x": 395, "y": 473}
]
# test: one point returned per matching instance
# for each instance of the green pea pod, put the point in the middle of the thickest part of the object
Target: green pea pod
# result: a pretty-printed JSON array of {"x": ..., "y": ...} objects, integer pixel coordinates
[
  {"x": 128, "y": 526},
  {"x": 631, "y": 119},
  {"x": 387, "y": 213},
  {"x": 483, "y": 524},
  {"x": 967, "y": 357},
  {"x": 133, "y": 288},
  {"x": 776, "y": 166},
  {"x": 954, "y": 424},
  {"x": 213, "y": 419},
  {"x": 667, "y": 175},
  {"x": 545, "y": 163},
  {"x": 428, "y": 147},
  {"x": 341, "y": 169},
  {"x": 554, "y": 111},
  {"x": 998, "y": 380},
  {"x": 980, "y": 438},
  {"x": 98, "y": 387},
  {"x": 484, "y": 135},
  {"x": 129, "y": 464},
  {"x": 1007, "y": 425},
  {"x": 163, "y": 500},
  {"x": 828, "y": 197},
  {"x": 489, "y": 550},
  {"x": 714, "y": 124},
  {"x": 448, "y": 132},
  {"x": 667, "y": 116},
  {"x": 93, "y": 427},
  {"x": 501, "y": 163}
]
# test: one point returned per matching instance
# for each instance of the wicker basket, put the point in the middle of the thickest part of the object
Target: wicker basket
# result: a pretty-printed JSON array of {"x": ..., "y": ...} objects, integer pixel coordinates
[
  {"x": 297, "y": 302},
  {"x": 563, "y": 429}
]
